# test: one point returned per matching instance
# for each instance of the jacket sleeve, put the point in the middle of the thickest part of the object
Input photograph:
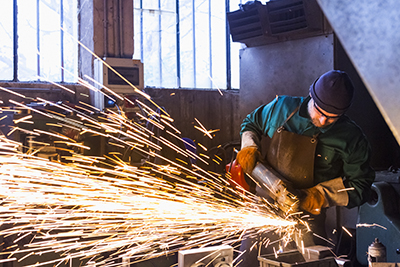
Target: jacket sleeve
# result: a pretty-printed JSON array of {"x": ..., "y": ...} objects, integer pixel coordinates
[
  {"x": 260, "y": 121},
  {"x": 358, "y": 173}
]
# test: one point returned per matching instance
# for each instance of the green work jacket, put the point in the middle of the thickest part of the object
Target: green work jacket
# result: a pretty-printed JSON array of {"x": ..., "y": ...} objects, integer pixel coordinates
[{"x": 342, "y": 149}]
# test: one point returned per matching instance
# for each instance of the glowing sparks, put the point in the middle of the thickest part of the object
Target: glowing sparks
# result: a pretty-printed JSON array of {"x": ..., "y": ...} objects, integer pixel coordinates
[
  {"x": 135, "y": 208},
  {"x": 84, "y": 207},
  {"x": 204, "y": 130},
  {"x": 23, "y": 119}
]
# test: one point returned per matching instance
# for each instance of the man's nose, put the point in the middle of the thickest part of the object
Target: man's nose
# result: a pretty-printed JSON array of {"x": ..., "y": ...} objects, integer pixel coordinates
[{"x": 322, "y": 120}]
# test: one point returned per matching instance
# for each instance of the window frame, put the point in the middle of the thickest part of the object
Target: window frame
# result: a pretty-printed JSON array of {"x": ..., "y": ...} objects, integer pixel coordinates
[
  {"x": 228, "y": 68},
  {"x": 15, "y": 44}
]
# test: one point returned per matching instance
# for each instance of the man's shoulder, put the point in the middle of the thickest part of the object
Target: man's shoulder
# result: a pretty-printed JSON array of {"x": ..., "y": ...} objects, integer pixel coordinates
[{"x": 288, "y": 102}]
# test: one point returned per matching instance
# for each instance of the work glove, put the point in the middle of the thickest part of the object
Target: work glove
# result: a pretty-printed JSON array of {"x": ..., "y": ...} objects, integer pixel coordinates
[
  {"x": 249, "y": 153},
  {"x": 247, "y": 157},
  {"x": 323, "y": 195},
  {"x": 312, "y": 201}
]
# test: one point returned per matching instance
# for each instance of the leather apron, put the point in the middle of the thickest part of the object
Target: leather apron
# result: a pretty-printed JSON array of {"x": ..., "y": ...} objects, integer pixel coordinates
[{"x": 293, "y": 155}]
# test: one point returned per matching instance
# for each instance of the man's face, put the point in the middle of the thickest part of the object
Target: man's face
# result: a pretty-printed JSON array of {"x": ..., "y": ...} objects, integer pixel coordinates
[{"x": 319, "y": 117}]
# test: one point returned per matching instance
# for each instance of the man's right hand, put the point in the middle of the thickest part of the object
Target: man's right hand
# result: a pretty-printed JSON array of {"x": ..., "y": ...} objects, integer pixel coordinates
[{"x": 247, "y": 157}]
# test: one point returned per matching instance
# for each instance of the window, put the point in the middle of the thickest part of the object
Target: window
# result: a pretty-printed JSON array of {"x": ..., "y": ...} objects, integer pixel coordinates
[
  {"x": 39, "y": 40},
  {"x": 183, "y": 43}
]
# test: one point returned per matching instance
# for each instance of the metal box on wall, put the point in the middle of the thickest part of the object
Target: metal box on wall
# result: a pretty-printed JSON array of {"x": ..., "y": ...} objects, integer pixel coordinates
[
  {"x": 256, "y": 24},
  {"x": 120, "y": 75}
]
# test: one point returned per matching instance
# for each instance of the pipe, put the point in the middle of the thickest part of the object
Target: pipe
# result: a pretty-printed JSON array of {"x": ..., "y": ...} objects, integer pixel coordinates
[
  {"x": 121, "y": 35},
  {"x": 116, "y": 30},
  {"x": 105, "y": 32}
]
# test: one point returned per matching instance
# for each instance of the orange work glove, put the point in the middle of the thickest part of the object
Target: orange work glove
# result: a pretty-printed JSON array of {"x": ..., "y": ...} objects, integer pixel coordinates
[
  {"x": 247, "y": 157},
  {"x": 312, "y": 201}
]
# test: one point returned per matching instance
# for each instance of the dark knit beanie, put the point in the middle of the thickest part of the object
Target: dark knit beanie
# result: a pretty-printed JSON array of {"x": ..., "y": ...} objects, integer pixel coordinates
[{"x": 333, "y": 92}]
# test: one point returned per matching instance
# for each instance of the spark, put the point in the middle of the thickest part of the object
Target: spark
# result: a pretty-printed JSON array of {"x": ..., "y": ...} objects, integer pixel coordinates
[
  {"x": 11, "y": 92},
  {"x": 22, "y": 119},
  {"x": 203, "y": 129},
  {"x": 212, "y": 80},
  {"x": 347, "y": 231},
  {"x": 326, "y": 240},
  {"x": 104, "y": 87},
  {"x": 56, "y": 84},
  {"x": 346, "y": 189},
  {"x": 370, "y": 225},
  {"x": 202, "y": 146}
]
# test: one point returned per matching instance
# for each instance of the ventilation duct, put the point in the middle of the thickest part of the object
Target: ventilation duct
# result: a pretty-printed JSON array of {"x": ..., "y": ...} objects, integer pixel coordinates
[
  {"x": 256, "y": 24},
  {"x": 286, "y": 16}
]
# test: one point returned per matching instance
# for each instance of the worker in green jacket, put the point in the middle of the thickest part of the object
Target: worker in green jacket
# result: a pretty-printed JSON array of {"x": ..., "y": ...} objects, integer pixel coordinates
[{"x": 314, "y": 145}]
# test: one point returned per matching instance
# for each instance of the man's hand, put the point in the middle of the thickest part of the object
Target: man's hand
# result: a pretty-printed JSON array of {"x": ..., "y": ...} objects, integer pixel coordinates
[
  {"x": 248, "y": 157},
  {"x": 313, "y": 201}
]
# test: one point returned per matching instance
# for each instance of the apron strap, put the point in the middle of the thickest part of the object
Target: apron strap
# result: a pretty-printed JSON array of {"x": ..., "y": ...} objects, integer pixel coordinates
[{"x": 282, "y": 127}]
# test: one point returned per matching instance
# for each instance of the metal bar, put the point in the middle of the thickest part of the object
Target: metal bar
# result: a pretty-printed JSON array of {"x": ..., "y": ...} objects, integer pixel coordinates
[
  {"x": 15, "y": 41},
  {"x": 38, "y": 36},
  {"x": 178, "y": 47},
  {"x": 62, "y": 38},
  {"x": 105, "y": 31},
  {"x": 141, "y": 30},
  {"x": 228, "y": 48},
  {"x": 117, "y": 53},
  {"x": 160, "y": 42},
  {"x": 210, "y": 43},
  {"x": 194, "y": 41},
  {"x": 121, "y": 30}
]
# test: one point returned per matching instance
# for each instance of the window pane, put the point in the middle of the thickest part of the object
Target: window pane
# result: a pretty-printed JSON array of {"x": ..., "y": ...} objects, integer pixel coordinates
[
  {"x": 137, "y": 31},
  {"x": 50, "y": 40},
  {"x": 6, "y": 44},
  {"x": 186, "y": 43},
  {"x": 235, "y": 75},
  {"x": 235, "y": 47},
  {"x": 70, "y": 49},
  {"x": 45, "y": 54},
  {"x": 151, "y": 48},
  {"x": 202, "y": 44},
  {"x": 27, "y": 41},
  {"x": 218, "y": 42},
  {"x": 168, "y": 49},
  {"x": 168, "y": 5},
  {"x": 150, "y": 4}
]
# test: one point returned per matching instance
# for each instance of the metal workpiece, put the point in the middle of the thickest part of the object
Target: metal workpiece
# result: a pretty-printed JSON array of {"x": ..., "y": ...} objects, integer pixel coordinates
[
  {"x": 215, "y": 256},
  {"x": 276, "y": 187}
]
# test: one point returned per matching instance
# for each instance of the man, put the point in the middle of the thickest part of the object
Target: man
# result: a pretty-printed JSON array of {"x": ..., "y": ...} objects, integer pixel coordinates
[{"x": 314, "y": 145}]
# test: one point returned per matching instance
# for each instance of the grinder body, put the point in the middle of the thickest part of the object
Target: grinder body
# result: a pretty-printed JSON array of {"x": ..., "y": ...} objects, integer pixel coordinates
[{"x": 276, "y": 187}]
